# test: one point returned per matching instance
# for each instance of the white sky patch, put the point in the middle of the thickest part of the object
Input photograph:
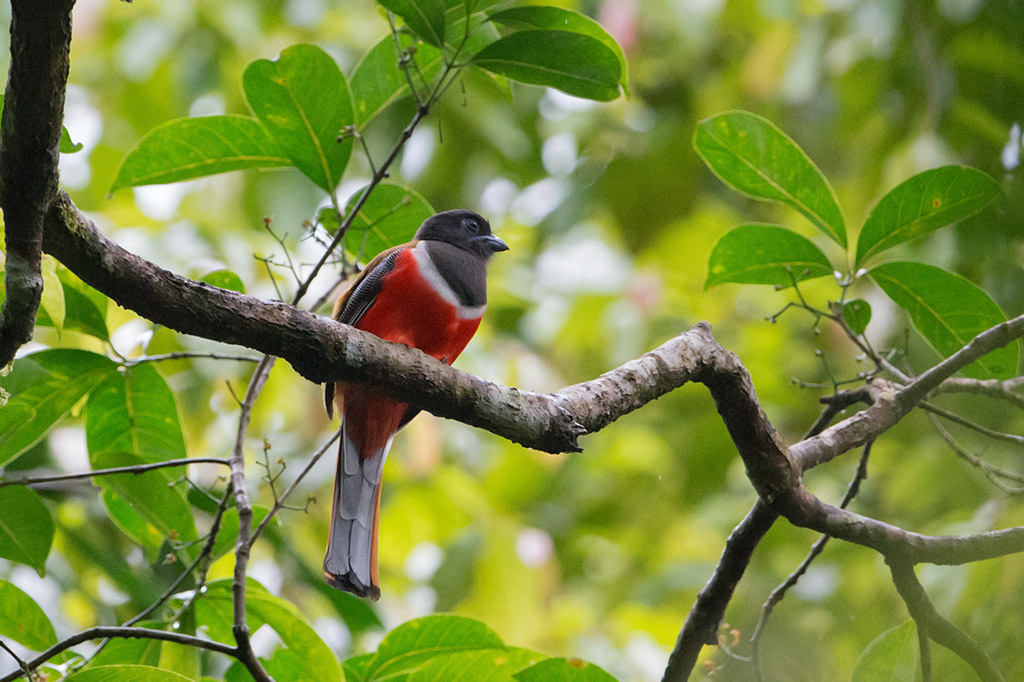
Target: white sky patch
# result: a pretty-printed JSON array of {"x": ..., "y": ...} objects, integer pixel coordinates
[
  {"x": 423, "y": 561},
  {"x": 1011, "y": 152},
  {"x": 555, "y": 105},
  {"x": 584, "y": 264},
  {"x": 538, "y": 200},
  {"x": 67, "y": 443},
  {"x": 210, "y": 104},
  {"x": 559, "y": 154},
  {"x": 534, "y": 547},
  {"x": 418, "y": 151},
  {"x": 160, "y": 202},
  {"x": 496, "y": 199}
]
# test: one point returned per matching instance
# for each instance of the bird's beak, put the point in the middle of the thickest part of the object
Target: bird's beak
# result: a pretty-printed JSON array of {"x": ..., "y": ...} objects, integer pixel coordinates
[{"x": 493, "y": 243}]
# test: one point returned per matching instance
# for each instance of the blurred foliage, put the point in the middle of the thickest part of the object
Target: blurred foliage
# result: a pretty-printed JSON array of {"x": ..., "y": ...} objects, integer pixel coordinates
[{"x": 610, "y": 216}]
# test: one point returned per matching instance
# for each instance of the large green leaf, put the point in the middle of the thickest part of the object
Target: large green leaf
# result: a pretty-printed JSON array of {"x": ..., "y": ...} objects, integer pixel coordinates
[
  {"x": 754, "y": 157},
  {"x": 412, "y": 644},
  {"x": 189, "y": 148},
  {"x": 765, "y": 254},
  {"x": 26, "y": 529},
  {"x": 132, "y": 524},
  {"x": 43, "y": 388},
  {"x": 479, "y": 665},
  {"x": 578, "y": 64},
  {"x": 378, "y": 80},
  {"x": 948, "y": 311},
  {"x": 425, "y": 17},
  {"x": 52, "y": 302},
  {"x": 127, "y": 673},
  {"x": 133, "y": 410},
  {"x": 923, "y": 203},
  {"x": 558, "y": 18},
  {"x": 563, "y": 670},
  {"x": 148, "y": 494},
  {"x": 303, "y": 101},
  {"x": 22, "y": 620},
  {"x": 312, "y": 659},
  {"x": 390, "y": 216},
  {"x": 891, "y": 656}
]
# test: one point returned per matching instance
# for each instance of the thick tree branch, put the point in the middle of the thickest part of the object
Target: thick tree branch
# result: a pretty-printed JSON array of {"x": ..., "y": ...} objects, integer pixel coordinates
[
  {"x": 29, "y": 151},
  {"x": 936, "y": 626},
  {"x": 707, "y": 612}
]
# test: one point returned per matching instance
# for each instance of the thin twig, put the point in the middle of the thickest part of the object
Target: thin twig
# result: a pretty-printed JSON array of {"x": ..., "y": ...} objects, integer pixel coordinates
[
  {"x": 983, "y": 430},
  {"x": 280, "y": 502},
  {"x": 117, "y": 631},
  {"x": 133, "y": 469},
  {"x": 994, "y": 473},
  {"x": 18, "y": 659},
  {"x": 187, "y": 354},
  {"x": 780, "y": 591}
]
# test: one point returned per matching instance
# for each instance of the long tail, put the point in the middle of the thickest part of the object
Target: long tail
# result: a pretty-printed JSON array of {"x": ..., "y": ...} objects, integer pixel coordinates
[{"x": 351, "y": 561}]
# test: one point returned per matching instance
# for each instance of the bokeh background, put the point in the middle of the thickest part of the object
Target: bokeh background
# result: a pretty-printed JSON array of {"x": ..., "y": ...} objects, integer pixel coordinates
[{"x": 610, "y": 216}]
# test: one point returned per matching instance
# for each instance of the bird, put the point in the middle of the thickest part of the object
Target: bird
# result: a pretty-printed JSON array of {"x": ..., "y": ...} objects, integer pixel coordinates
[{"x": 428, "y": 294}]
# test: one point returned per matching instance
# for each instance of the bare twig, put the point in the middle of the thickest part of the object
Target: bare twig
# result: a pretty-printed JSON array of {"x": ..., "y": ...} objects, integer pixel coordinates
[
  {"x": 187, "y": 355},
  {"x": 1003, "y": 390},
  {"x": 974, "y": 426},
  {"x": 279, "y": 503},
  {"x": 780, "y": 591},
  {"x": 133, "y": 469},
  {"x": 117, "y": 631}
]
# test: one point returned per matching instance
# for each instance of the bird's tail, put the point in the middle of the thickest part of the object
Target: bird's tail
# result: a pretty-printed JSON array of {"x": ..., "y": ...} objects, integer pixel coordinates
[{"x": 351, "y": 561}]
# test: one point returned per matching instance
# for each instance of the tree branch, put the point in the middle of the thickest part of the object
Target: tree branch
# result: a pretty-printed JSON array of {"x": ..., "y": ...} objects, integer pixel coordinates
[
  {"x": 29, "y": 151},
  {"x": 117, "y": 631},
  {"x": 133, "y": 469},
  {"x": 936, "y": 626}
]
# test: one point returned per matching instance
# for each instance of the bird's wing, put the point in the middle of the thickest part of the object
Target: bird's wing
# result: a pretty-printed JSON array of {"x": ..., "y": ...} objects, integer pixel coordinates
[{"x": 357, "y": 299}]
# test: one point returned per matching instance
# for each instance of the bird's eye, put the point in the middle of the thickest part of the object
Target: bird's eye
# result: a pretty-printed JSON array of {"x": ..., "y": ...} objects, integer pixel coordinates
[{"x": 472, "y": 225}]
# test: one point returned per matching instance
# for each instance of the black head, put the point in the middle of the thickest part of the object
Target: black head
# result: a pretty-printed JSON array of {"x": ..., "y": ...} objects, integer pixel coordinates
[{"x": 464, "y": 229}]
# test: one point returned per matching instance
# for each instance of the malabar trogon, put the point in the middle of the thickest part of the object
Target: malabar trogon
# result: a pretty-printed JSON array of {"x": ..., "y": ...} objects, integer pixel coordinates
[{"x": 428, "y": 294}]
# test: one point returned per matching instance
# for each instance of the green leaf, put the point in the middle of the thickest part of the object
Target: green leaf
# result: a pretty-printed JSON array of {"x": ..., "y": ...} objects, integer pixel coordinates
[
  {"x": 133, "y": 525},
  {"x": 26, "y": 528},
  {"x": 229, "y": 524},
  {"x": 149, "y": 494},
  {"x": 67, "y": 146},
  {"x": 751, "y": 155},
  {"x": 224, "y": 279},
  {"x": 425, "y": 17},
  {"x": 923, "y": 203},
  {"x": 22, "y": 620},
  {"x": 857, "y": 315},
  {"x": 390, "y": 216},
  {"x": 85, "y": 308},
  {"x": 188, "y": 148},
  {"x": 557, "y": 18},
  {"x": 574, "y": 63},
  {"x": 412, "y": 644},
  {"x": 53, "y": 294},
  {"x": 133, "y": 410},
  {"x": 891, "y": 656},
  {"x": 43, "y": 388},
  {"x": 126, "y": 673},
  {"x": 948, "y": 311},
  {"x": 378, "y": 81},
  {"x": 312, "y": 660},
  {"x": 563, "y": 670},
  {"x": 303, "y": 101},
  {"x": 137, "y": 651},
  {"x": 765, "y": 254},
  {"x": 480, "y": 665}
]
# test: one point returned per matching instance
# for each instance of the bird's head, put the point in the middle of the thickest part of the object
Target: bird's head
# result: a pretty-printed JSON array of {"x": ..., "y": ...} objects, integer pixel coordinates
[{"x": 464, "y": 229}]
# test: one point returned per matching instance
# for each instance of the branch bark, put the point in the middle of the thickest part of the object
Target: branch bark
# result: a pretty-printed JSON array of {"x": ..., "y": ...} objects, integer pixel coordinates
[{"x": 29, "y": 151}]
